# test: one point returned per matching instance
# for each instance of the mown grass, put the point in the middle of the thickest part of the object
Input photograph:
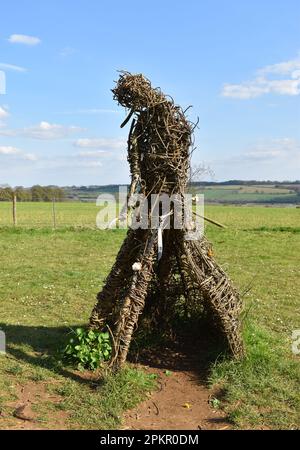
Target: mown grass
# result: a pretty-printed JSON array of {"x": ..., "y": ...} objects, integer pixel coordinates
[
  {"x": 261, "y": 253},
  {"x": 40, "y": 214},
  {"x": 48, "y": 284},
  {"x": 261, "y": 391},
  {"x": 83, "y": 215}
]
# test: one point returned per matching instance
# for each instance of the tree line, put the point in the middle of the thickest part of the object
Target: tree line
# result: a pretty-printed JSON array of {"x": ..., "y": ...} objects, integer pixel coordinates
[{"x": 36, "y": 193}]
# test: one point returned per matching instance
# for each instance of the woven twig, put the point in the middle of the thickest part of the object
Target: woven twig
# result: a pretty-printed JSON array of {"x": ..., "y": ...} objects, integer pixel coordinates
[{"x": 159, "y": 145}]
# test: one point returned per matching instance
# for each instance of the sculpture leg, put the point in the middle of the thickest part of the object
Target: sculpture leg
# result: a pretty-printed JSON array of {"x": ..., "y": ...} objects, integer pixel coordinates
[
  {"x": 219, "y": 295},
  {"x": 120, "y": 272},
  {"x": 167, "y": 288},
  {"x": 134, "y": 300}
]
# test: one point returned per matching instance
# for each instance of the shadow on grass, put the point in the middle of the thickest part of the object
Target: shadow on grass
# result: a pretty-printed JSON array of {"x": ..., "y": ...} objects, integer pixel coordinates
[
  {"x": 193, "y": 347},
  {"x": 42, "y": 347}
]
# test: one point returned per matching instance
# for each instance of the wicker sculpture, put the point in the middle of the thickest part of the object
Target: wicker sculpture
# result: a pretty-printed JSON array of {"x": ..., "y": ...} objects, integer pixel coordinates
[{"x": 159, "y": 146}]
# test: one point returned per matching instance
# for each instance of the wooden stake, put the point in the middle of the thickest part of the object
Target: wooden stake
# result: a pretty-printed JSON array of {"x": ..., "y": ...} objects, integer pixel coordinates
[
  {"x": 218, "y": 224},
  {"x": 15, "y": 209},
  {"x": 53, "y": 212}
]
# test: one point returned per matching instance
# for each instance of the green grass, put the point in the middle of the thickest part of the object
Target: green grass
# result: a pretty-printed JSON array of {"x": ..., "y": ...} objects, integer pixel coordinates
[
  {"x": 39, "y": 214},
  {"x": 262, "y": 391},
  {"x": 79, "y": 214},
  {"x": 103, "y": 407},
  {"x": 261, "y": 253},
  {"x": 249, "y": 217},
  {"x": 49, "y": 281},
  {"x": 48, "y": 285}
]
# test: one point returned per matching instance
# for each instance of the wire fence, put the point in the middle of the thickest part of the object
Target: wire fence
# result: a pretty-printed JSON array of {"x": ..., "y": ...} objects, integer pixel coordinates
[
  {"x": 49, "y": 215},
  {"x": 61, "y": 214}
]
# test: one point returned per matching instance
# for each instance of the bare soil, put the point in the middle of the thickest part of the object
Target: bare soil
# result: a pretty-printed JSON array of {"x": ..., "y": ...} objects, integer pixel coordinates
[
  {"x": 23, "y": 416},
  {"x": 183, "y": 400}
]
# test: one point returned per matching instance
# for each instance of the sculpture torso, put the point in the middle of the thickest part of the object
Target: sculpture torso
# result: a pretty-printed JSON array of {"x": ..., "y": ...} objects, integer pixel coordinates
[{"x": 159, "y": 139}]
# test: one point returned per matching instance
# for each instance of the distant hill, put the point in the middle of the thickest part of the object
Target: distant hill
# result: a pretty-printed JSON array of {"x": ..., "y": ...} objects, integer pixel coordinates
[{"x": 225, "y": 192}]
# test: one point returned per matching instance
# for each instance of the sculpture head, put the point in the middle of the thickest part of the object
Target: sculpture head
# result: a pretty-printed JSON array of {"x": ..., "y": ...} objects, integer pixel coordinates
[{"x": 135, "y": 92}]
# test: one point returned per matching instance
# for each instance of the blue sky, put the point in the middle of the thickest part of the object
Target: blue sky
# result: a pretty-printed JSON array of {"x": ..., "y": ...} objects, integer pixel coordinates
[{"x": 236, "y": 62}]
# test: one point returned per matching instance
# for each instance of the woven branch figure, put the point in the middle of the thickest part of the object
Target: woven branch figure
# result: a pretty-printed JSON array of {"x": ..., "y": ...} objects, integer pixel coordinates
[{"x": 159, "y": 144}]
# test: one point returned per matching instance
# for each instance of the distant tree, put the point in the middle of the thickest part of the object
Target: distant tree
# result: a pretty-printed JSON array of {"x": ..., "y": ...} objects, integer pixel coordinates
[
  {"x": 6, "y": 194},
  {"x": 59, "y": 194},
  {"x": 47, "y": 193},
  {"x": 23, "y": 195},
  {"x": 37, "y": 193}
]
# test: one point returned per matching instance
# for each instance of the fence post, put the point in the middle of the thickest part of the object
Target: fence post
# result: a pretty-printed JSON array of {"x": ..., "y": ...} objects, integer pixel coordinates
[
  {"x": 53, "y": 212},
  {"x": 15, "y": 209}
]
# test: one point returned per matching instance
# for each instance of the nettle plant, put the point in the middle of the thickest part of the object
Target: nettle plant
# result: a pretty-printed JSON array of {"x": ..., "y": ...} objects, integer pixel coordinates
[{"x": 88, "y": 348}]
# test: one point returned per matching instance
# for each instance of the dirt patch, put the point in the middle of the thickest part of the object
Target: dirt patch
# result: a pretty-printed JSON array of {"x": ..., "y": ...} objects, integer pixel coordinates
[
  {"x": 21, "y": 413},
  {"x": 183, "y": 401}
]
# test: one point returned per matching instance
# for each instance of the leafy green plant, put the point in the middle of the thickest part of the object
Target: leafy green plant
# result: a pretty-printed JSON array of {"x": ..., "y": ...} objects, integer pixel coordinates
[
  {"x": 88, "y": 348},
  {"x": 215, "y": 403}
]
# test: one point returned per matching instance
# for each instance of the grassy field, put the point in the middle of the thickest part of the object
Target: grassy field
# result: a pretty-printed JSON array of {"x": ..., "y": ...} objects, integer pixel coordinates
[
  {"x": 72, "y": 213},
  {"x": 48, "y": 283},
  {"x": 39, "y": 214},
  {"x": 249, "y": 194},
  {"x": 75, "y": 214},
  {"x": 221, "y": 193}
]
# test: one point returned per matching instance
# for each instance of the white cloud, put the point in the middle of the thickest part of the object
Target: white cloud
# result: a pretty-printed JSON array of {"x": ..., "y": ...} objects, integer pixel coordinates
[
  {"x": 92, "y": 153},
  {"x": 263, "y": 83},
  {"x": 102, "y": 143},
  {"x": 279, "y": 151},
  {"x": 281, "y": 148},
  {"x": 12, "y": 67},
  {"x": 16, "y": 153},
  {"x": 44, "y": 130},
  {"x": 30, "y": 157},
  {"x": 284, "y": 68},
  {"x": 244, "y": 91},
  {"x": 269, "y": 159},
  {"x": 24, "y": 39},
  {"x": 3, "y": 113},
  {"x": 8, "y": 150},
  {"x": 90, "y": 164}
]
